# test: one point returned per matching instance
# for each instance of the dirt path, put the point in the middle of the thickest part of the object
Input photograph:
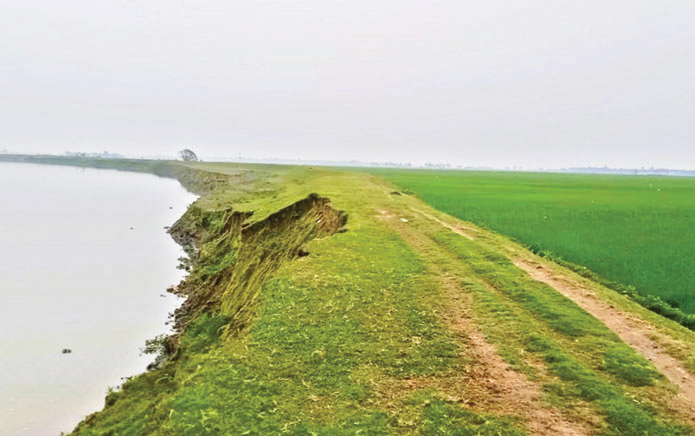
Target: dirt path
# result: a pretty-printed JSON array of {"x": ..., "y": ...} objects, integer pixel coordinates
[
  {"x": 467, "y": 232},
  {"x": 491, "y": 383},
  {"x": 631, "y": 329}
]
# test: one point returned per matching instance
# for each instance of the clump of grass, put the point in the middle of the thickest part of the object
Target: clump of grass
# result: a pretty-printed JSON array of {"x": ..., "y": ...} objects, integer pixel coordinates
[
  {"x": 156, "y": 345},
  {"x": 204, "y": 332},
  {"x": 449, "y": 419},
  {"x": 624, "y": 365}
]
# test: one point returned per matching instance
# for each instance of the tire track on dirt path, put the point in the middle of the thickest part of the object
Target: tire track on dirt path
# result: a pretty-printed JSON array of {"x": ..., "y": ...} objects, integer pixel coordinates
[
  {"x": 510, "y": 390},
  {"x": 492, "y": 381},
  {"x": 631, "y": 329},
  {"x": 467, "y": 232}
]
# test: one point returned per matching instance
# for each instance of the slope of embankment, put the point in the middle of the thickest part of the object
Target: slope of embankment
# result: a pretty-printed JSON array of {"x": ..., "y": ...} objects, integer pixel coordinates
[{"x": 325, "y": 302}]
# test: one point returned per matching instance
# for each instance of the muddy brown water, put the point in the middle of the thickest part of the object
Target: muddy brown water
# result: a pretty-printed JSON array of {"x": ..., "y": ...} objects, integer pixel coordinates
[{"x": 84, "y": 262}]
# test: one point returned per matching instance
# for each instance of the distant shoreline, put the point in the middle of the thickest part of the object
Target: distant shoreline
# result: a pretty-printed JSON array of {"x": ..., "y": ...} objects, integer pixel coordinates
[{"x": 112, "y": 161}]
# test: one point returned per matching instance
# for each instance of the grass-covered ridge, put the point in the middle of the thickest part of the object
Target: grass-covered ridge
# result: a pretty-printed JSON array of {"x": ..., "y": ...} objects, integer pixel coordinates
[
  {"x": 294, "y": 326},
  {"x": 635, "y": 230}
]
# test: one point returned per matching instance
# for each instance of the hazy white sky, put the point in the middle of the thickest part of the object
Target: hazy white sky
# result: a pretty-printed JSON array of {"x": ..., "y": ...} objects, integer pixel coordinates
[{"x": 497, "y": 83}]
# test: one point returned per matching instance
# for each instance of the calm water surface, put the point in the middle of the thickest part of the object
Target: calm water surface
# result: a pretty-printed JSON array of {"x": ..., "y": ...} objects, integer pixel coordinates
[{"x": 84, "y": 265}]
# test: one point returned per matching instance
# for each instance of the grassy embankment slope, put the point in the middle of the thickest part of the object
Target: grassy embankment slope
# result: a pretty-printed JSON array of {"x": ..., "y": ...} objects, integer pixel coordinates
[
  {"x": 635, "y": 230},
  {"x": 396, "y": 326}
]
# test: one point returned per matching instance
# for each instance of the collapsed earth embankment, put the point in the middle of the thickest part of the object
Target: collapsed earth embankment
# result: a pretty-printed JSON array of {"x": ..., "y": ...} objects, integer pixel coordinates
[{"x": 229, "y": 258}]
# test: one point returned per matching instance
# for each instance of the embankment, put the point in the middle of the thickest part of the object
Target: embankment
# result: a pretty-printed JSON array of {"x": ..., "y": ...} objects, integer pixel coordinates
[{"x": 230, "y": 258}]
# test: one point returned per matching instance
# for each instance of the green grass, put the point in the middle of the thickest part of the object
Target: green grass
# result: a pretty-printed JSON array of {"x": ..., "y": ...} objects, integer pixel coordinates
[
  {"x": 293, "y": 327},
  {"x": 638, "y": 231}
]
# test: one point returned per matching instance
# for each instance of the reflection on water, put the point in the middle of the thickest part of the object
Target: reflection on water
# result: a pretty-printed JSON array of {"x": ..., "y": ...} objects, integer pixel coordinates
[{"x": 84, "y": 264}]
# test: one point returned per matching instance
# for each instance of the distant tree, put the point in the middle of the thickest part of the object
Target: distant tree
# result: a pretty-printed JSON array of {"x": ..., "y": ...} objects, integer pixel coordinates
[{"x": 188, "y": 155}]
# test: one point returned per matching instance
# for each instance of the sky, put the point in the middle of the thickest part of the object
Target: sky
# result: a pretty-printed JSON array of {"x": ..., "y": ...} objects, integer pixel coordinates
[{"x": 524, "y": 84}]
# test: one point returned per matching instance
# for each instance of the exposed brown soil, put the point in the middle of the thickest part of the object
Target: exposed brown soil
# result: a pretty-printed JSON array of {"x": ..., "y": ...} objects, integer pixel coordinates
[
  {"x": 489, "y": 384},
  {"x": 631, "y": 329}
]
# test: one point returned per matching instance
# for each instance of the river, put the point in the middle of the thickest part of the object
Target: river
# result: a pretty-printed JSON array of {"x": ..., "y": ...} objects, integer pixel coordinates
[{"x": 84, "y": 265}]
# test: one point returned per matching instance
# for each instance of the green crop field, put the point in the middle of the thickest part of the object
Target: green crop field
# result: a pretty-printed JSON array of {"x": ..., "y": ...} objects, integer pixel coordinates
[{"x": 635, "y": 230}]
